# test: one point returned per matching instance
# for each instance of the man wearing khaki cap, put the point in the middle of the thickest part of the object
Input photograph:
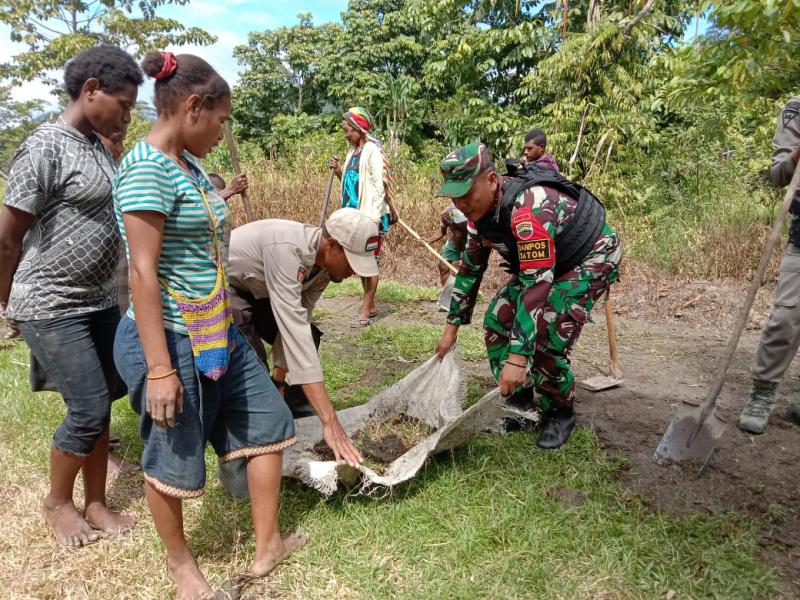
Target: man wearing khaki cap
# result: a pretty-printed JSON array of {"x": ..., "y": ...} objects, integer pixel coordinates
[{"x": 278, "y": 271}]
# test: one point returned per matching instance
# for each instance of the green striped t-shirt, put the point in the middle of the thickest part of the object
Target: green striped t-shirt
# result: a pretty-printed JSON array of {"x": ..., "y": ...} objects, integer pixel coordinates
[{"x": 149, "y": 180}]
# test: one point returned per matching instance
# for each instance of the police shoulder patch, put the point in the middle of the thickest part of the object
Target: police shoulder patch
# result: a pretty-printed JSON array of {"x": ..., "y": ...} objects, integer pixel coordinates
[
  {"x": 535, "y": 247},
  {"x": 790, "y": 111},
  {"x": 373, "y": 243}
]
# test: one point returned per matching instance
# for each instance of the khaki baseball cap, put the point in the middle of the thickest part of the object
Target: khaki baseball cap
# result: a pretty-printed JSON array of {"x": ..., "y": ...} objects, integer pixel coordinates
[{"x": 358, "y": 235}]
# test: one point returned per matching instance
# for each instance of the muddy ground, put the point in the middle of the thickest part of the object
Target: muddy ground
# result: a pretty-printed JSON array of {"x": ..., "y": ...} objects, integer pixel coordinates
[{"x": 670, "y": 338}]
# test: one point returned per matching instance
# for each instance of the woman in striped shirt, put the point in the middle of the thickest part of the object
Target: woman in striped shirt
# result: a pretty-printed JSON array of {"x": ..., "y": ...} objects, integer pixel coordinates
[{"x": 175, "y": 227}]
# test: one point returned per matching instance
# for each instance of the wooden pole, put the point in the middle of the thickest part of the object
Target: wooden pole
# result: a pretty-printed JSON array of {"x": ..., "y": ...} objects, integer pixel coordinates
[
  {"x": 237, "y": 167},
  {"x": 430, "y": 248}
]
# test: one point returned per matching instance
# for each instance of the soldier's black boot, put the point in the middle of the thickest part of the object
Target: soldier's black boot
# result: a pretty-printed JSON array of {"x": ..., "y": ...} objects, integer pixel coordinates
[
  {"x": 557, "y": 426},
  {"x": 523, "y": 400}
]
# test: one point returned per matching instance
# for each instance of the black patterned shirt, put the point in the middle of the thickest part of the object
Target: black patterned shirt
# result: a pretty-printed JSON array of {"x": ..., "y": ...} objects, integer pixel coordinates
[{"x": 70, "y": 254}]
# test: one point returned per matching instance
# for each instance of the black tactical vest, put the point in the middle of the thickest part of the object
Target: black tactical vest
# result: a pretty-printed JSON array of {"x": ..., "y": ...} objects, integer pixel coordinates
[{"x": 571, "y": 245}]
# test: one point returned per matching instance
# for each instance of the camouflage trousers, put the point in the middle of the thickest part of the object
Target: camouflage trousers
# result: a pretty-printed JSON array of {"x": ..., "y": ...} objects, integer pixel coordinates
[{"x": 558, "y": 325}]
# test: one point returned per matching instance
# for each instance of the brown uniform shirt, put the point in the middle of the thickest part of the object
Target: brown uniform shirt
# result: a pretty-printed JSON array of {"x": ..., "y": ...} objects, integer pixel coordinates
[{"x": 274, "y": 259}]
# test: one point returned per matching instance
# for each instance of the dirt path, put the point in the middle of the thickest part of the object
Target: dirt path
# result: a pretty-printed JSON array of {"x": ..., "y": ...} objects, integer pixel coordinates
[{"x": 665, "y": 361}]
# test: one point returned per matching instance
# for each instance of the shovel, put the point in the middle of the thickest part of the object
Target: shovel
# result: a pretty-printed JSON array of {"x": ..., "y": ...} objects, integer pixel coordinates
[
  {"x": 693, "y": 433},
  {"x": 598, "y": 383}
]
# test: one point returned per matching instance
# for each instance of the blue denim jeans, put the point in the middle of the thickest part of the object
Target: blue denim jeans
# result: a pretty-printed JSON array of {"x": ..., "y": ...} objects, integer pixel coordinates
[
  {"x": 242, "y": 414},
  {"x": 76, "y": 353}
]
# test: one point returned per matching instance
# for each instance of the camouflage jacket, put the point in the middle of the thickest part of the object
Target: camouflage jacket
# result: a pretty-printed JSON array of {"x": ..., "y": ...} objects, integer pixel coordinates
[{"x": 540, "y": 214}]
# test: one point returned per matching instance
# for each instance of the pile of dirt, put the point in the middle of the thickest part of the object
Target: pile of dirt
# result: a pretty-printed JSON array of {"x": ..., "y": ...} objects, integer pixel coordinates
[{"x": 383, "y": 442}]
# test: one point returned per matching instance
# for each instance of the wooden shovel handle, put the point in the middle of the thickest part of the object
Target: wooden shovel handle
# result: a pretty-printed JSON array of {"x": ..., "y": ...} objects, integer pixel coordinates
[
  {"x": 727, "y": 357},
  {"x": 611, "y": 328},
  {"x": 237, "y": 167}
]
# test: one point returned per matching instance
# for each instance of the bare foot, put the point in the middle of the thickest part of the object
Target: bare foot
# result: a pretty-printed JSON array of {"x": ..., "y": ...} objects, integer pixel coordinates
[
  {"x": 121, "y": 467},
  {"x": 99, "y": 517},
  {"x": 272, "y": 558},
  {"x": 189, "y": 581},
  {"x": 69, "y": 527}
]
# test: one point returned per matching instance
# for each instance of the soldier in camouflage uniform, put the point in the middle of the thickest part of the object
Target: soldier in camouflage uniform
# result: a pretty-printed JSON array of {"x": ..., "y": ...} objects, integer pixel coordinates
[{"x": 533, "y": 322}]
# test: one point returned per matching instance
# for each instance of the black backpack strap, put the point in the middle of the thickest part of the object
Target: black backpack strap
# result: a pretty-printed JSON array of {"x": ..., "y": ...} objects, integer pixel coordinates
[{"x": 575, "y": 241}]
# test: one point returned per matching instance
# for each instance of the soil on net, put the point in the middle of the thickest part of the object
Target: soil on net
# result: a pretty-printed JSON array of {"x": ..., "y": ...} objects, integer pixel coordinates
[{"x": 384, "y": 442}]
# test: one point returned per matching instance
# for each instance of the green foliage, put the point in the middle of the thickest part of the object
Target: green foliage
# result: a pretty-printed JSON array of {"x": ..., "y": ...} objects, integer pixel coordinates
[
  {"x": 750, "y": 50},
  {"x": 55, "y": 31},
  {"x": 16, "y": 122},
  {"x": 281, "y": 75}
]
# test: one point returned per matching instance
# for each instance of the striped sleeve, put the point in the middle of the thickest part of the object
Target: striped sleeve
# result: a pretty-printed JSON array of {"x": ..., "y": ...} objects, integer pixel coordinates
[{"x": 144, "y": 185}]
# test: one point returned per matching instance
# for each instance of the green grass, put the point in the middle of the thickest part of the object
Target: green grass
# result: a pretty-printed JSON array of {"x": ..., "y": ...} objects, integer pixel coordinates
[
  {"x": 418, "y": 342},
  {"x": 388, "y": 291},
  {"x": 482, "y": 521}
]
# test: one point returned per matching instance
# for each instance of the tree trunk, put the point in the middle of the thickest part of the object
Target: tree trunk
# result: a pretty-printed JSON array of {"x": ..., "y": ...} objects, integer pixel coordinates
[{"x": 593, "y": 14}]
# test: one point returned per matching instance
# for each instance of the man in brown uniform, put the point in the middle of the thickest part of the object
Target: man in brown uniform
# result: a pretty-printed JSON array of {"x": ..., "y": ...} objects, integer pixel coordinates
[
  {"x": 278, "y": 271},
  {"x": 781, "y": 335}
]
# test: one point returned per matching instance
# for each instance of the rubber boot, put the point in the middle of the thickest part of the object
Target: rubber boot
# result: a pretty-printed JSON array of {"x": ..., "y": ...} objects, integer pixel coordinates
[
  {"x": 793, "y": 408},
  {"x": 556, "y": 428},
  {"x": 755, "y": 413}
]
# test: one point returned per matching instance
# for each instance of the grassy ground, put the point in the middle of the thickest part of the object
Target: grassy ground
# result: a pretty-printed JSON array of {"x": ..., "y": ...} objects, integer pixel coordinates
[{"x": 492, "y": 519}]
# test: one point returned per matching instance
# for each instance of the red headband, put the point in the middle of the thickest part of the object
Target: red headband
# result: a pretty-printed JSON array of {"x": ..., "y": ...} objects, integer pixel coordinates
[
  {"x": 359, "y": 121},
  {"x": 170, "y": 65}
]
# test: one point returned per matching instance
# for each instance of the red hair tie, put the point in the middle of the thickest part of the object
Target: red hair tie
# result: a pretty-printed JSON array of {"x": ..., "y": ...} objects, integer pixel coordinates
[{"x": 170, "y": 65}]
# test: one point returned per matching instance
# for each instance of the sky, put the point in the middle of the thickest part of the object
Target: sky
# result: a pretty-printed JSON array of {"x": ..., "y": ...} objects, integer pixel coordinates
[{"x": 229, "y": 20}]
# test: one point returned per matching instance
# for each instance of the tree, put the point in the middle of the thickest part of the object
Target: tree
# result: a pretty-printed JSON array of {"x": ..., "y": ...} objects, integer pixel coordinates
[
  {"x": 750, "y": 50},
  {"x": 16, "y": 122},
  {"x": 55, "y": 31},
  {"x": 281, "y": 74}
]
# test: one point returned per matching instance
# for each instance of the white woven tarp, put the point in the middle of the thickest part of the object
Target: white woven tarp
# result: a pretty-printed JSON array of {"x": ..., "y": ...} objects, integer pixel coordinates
[{"x": 433, "y": 392}]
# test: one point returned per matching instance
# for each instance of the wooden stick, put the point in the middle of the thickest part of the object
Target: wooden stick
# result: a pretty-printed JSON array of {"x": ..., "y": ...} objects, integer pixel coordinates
[
  {"x": 727, "y": 357},
  {"x": 430, "y": 248},
  {"x": 326, "y": 199},
  {"x": 237, "y": 167},
  {"x": 611, "y": 329}
]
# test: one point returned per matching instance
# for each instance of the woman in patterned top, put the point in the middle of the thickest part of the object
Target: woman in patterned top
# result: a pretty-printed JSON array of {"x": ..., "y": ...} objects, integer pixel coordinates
[
  {"x": 59, "y": 245},
  {"x": 175, "y": 226}
]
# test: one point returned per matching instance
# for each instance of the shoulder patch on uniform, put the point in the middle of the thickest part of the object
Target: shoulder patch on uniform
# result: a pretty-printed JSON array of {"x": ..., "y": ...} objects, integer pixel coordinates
[
  {"x": 535, "y": 247},
  {"x": 373, "y": 243},
  {"x": 471, "y": 228},
  {"x": 790, "y": 111}
]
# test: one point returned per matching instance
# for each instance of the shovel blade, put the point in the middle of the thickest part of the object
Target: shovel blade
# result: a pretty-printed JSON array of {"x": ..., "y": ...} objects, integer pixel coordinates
[
  {"x": 447, "y": 291},
  {"x": 675, "y": 446},
  {"x": 598, "y": 383}
]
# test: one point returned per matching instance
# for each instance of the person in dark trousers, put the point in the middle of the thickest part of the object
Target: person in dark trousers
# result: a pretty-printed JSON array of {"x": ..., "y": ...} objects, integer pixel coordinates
[
  {"x": 780, "y": 338},
  {"x": 59, "y": 248}
]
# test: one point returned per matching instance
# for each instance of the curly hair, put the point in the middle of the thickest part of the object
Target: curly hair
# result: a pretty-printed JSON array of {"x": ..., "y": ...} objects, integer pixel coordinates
[
  {"x": 111, "y": 66},
  {"x": 193, "y": 75}
]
